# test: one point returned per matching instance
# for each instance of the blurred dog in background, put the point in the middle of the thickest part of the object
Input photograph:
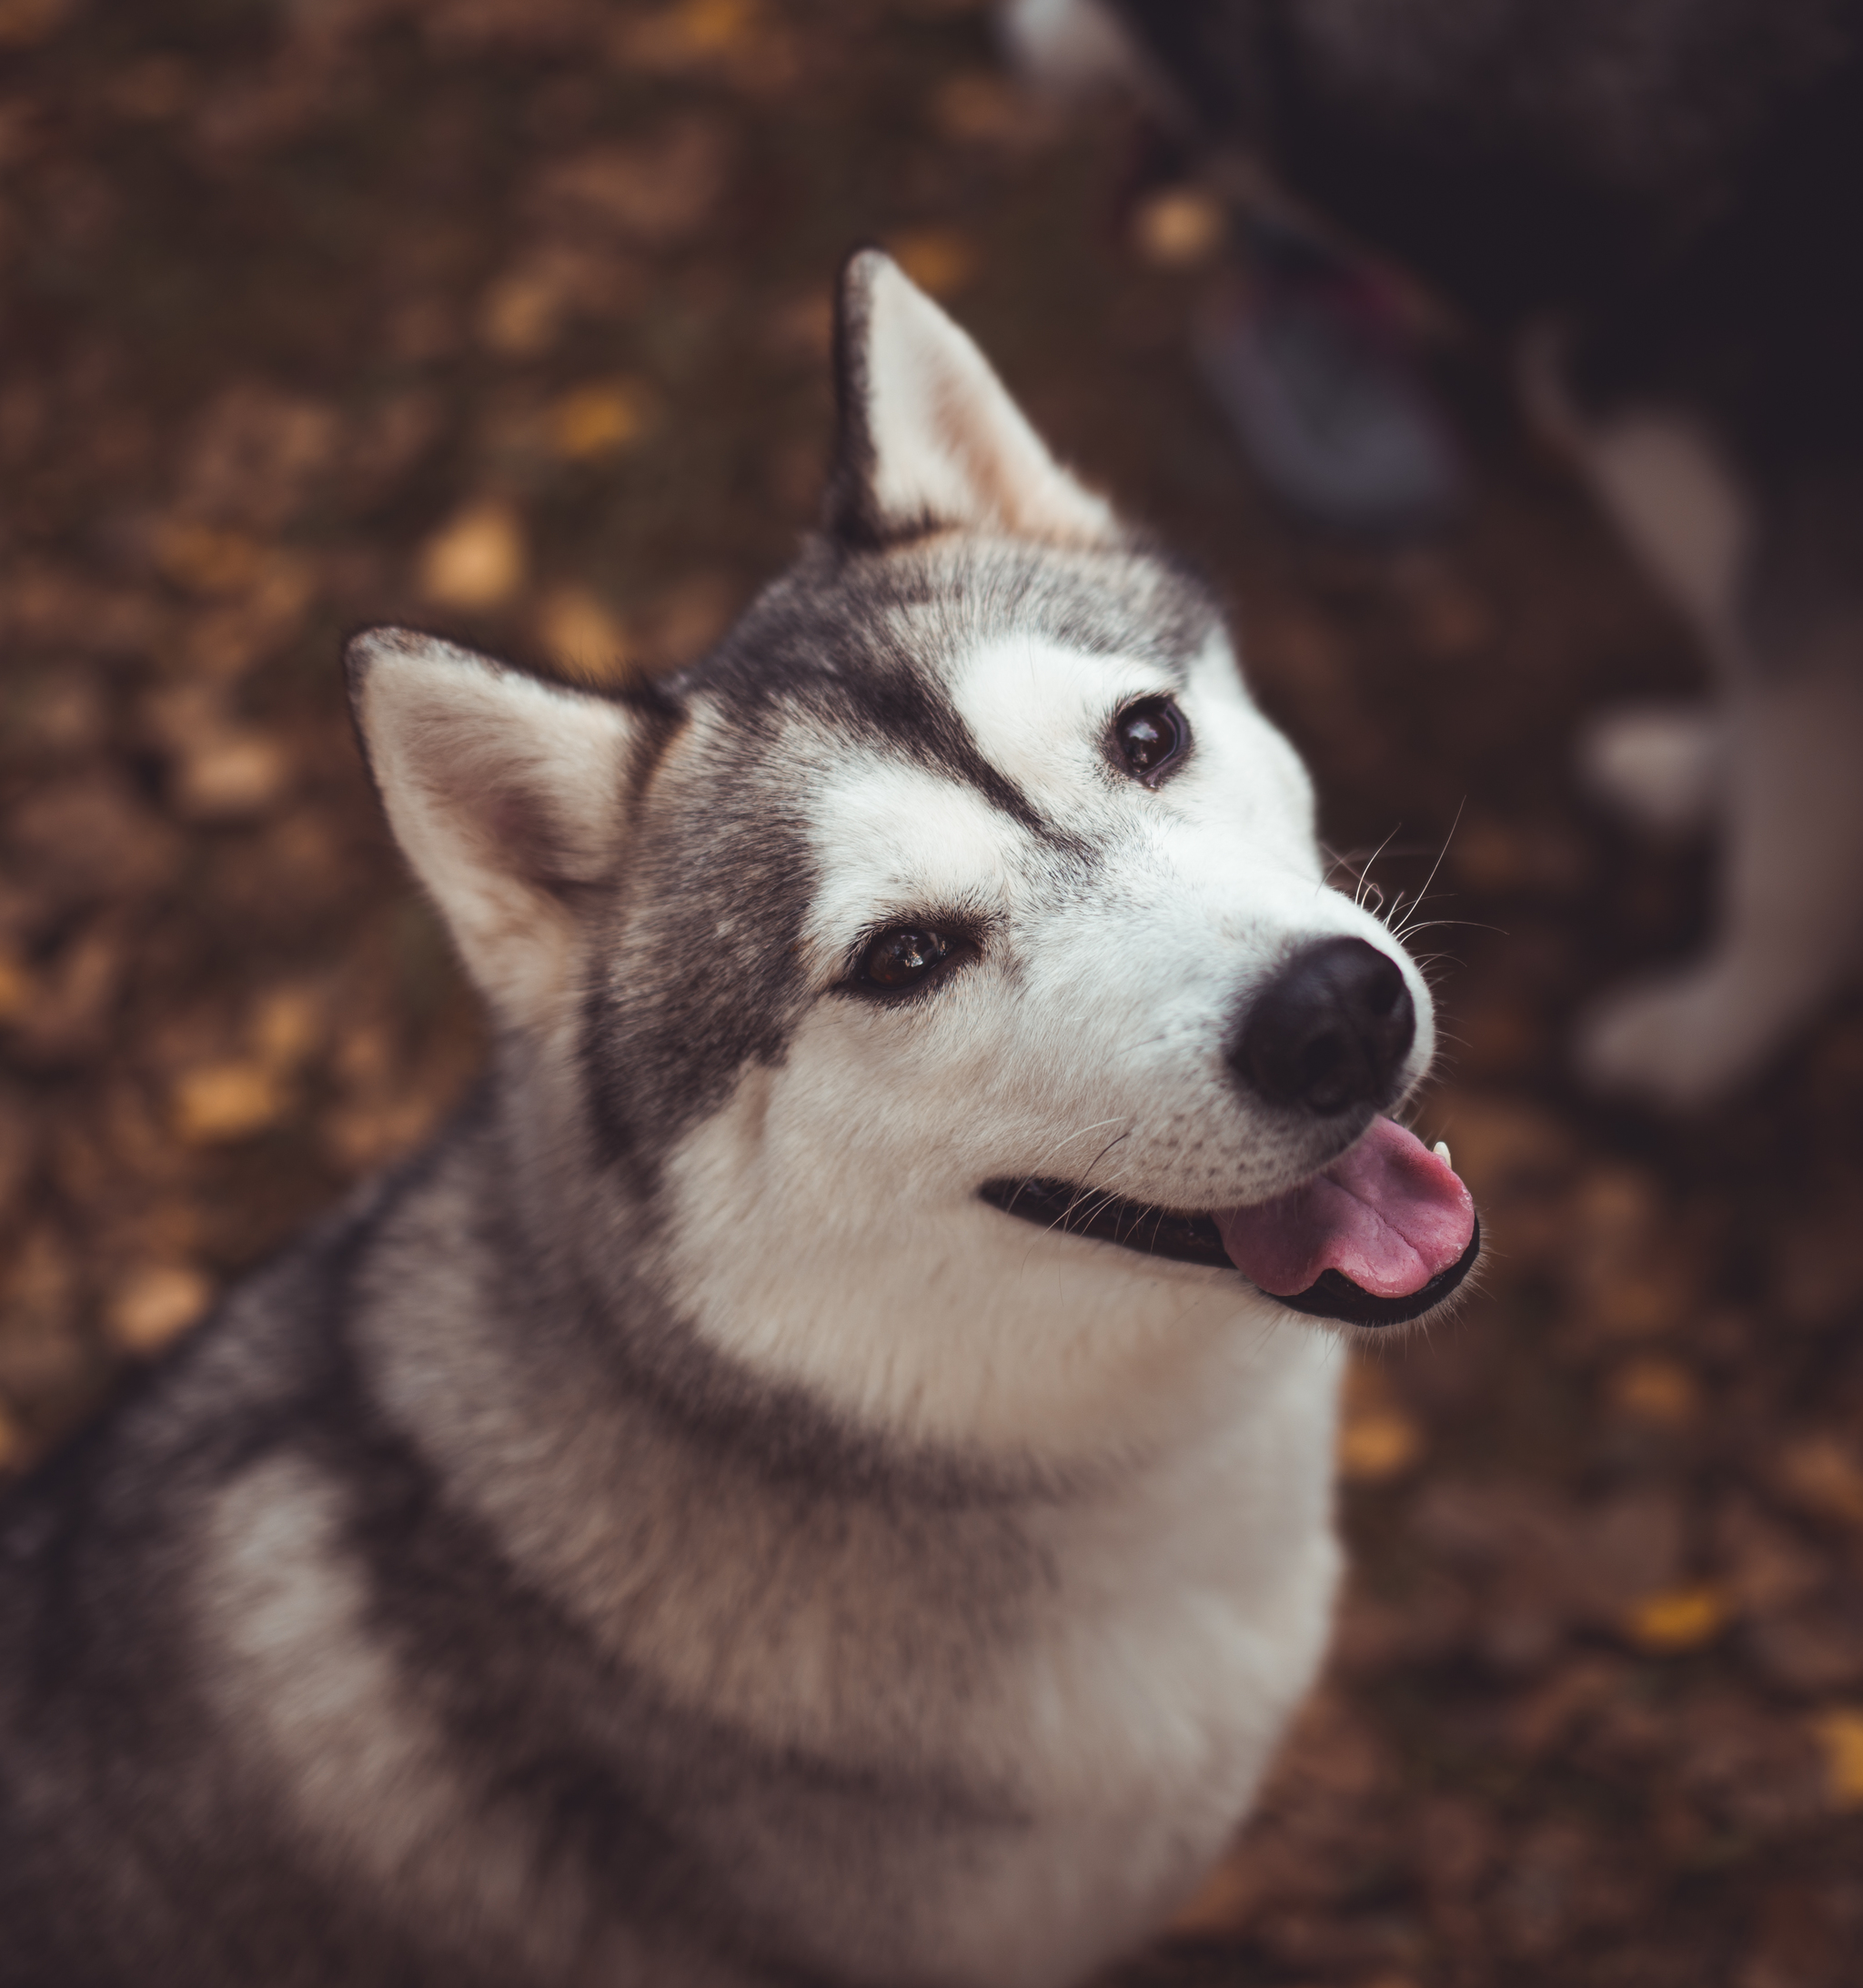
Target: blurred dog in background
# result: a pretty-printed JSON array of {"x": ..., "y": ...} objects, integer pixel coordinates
[{"x": 1656, "y": 201}]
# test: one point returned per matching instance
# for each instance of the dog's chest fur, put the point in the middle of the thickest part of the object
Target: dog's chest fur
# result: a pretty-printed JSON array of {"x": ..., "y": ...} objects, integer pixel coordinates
[
  {"x": 1027, "y": 1714},
  {"x": 916, "y": 1729}
]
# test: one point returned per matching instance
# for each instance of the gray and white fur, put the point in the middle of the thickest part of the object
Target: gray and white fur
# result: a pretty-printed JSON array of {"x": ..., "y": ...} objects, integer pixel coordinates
[{"x": 671, "y": 1531}]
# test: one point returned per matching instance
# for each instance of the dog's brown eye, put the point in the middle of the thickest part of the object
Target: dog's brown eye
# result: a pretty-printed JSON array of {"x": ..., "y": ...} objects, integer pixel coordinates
[
  {"x": 1150, "y": 736},
  {"x": 903, "y": 957}
]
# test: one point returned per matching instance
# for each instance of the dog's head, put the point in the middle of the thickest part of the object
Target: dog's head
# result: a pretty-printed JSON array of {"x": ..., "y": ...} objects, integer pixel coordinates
[{"x": 952, "y": 942}]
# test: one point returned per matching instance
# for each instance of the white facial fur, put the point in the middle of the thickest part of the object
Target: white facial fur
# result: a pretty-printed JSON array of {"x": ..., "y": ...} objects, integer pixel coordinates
[{"x": 829, "y": 1223}]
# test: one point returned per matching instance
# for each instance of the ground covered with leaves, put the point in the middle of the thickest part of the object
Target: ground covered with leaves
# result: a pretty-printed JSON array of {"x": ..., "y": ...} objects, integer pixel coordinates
[{"x": 510, "y": 317}]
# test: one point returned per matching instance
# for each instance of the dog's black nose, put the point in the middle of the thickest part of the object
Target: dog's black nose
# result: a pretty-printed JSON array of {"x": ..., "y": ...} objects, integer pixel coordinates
[{"x": 1331, "y": 1030}]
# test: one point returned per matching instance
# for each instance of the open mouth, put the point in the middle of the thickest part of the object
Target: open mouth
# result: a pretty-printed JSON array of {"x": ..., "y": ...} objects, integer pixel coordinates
[{"x": 1383, "y": 1234}]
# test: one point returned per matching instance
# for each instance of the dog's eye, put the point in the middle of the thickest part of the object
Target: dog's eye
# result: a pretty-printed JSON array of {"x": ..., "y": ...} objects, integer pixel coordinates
[
  {"x": 902, "y": 958},
  {"x": 1150, "y": 736}
]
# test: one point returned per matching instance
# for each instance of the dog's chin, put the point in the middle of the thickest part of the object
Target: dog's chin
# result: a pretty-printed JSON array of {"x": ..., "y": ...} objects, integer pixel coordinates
[{"x": 1186, "y": 1237}]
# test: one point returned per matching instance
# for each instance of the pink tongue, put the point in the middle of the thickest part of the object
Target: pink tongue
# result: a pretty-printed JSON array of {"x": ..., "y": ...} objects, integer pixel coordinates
[{"x": 1389, "y": 1215}]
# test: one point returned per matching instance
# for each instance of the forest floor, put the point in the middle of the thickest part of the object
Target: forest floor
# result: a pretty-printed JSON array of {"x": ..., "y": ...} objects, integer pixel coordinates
[{"x": 510, "y": 317}]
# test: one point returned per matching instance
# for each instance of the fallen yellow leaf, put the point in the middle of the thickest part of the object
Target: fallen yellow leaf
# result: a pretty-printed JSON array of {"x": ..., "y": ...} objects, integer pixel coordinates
[
  {"x": 16, "y": 989},
  {"x": 286, "y": 1026},
  {"x": 582, "y": 637},
  {"x": 232, "y": 777},
  {"x": 598, "y": 421},
  {"x": 1839, "y": 1732},
  {"x": 518, "y": 314},
  {"x": 1378, "y": 1444},
  {"x": 226, "y": 1101},
  {"x": 205, "y": 560},
  {"x": 1822, "y": 1473},
  {"x": 476, "y": 558},
  {"x": 980, "y": 106},
  {"x": 1655, "y": 1390},
  {"x": 937, "y": 259},
  {"x": 693, "y": 31},
  {"x": 1636, "y": 1305},
  {"x": 155, "y": 1306},
  {"x": 1181, "y": 227},
  {"x": 1674, "y": 1620}
]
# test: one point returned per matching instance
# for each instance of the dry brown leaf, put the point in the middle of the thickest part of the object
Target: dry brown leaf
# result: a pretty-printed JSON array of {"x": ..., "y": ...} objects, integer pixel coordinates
[
  {"x": 153, "y": 1306},
  {"x": 691, "y": 34},
  {"x": 225, "y": 1102},
  {"x": 209, "y": 559},
  {"x": 658, "y": 191},
  {"x": 1661, "y": 1392},
  {"x": 1676, "y": 1619},
  {"x": 978, "y": 107},
  {"x": 940, "y": 260},
  {"x": 287, "y": 1024},
  {"x": 251, "y": 463},
  {"x": 232, "y": 776},
  {"x": 1821, "y": 1474},
  {"x": 1184, "y": 227},
  {"x": 91, "y": 837},
  {"x": 583, "y": 638},
  {"x": 477, "y": 559},
  {"x": 18, "y": 988},
  {"x": 599, "y": 419},
  {"x": 1839, "y": 1735},
  {"x": 1378, "y": 1445}
]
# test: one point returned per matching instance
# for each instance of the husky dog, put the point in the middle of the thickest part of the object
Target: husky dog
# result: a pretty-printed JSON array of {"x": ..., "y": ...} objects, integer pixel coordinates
[
  {"x": 1658, "y": 197},
  {"x": 816, "y": 1475}
]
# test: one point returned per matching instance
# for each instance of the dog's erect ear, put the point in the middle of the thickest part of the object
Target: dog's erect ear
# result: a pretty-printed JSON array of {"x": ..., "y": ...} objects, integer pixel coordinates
[
  {"x": 505, "y": 795},
  {"x": 927, "y": 436}
]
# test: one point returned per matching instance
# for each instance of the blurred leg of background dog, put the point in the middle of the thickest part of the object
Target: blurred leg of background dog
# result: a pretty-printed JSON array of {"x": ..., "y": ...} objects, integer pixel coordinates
[
  {"x": 1682, "y": 510},
  {"x": 1775, "y": 765},
  {"x": 1791, "y": 880}
]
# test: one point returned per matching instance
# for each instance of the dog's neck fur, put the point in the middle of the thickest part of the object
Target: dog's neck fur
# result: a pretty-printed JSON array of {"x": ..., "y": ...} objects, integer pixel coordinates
[{"x": 972, "y": 1612}]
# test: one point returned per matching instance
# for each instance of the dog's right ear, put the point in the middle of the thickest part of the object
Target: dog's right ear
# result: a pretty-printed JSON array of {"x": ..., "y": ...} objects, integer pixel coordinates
[
  {"x": 927, "y": 436},
  {"x": 506, "y": 794}
]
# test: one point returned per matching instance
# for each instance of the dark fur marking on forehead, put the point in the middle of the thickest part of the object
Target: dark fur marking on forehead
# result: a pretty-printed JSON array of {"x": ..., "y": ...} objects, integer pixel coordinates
[
  {"x": 857, "y": 648},
  {"x": 910, "y": 712},
  {"x": 867, "y": 642}
]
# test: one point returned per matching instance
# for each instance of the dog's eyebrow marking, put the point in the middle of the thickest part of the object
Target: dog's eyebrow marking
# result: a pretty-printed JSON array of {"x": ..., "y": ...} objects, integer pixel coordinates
[
  {"x": 1042, "y": 709},
  {"x": 916, "y": 717}
]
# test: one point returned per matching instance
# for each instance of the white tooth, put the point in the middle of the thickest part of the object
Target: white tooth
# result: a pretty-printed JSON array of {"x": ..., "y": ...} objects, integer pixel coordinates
[{"x": 1441, "y": 1149}]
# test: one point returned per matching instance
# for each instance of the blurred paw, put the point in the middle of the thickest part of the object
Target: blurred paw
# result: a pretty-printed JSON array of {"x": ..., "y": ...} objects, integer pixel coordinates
[
  {"x": 1660, "y": 764},
  {"x": 1680, "y": 1043}
]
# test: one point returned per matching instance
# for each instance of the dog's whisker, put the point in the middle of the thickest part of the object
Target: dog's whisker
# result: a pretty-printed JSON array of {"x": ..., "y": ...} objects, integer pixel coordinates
[
  {"x": 1365, "y": 873},
  {"x": 1066, "y": 1139},
  {"x": 1423, "y": 895}
]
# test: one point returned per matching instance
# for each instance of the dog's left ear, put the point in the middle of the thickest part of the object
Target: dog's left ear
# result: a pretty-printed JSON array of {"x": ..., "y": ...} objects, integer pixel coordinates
[
  {"x": 927, "y": 436},
  {"x": 507, "y": 796}
]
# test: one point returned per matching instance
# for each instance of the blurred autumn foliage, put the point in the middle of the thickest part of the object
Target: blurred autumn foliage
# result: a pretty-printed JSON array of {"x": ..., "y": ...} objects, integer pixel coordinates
[{"x": 510, "y": 317}]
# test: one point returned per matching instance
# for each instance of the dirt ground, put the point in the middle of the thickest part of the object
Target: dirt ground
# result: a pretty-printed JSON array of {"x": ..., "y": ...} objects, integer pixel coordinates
[{"x": 509, "y": 316}]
